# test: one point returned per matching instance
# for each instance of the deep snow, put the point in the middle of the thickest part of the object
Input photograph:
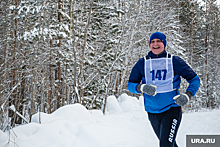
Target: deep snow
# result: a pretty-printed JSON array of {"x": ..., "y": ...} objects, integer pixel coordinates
[{"x": 125, "y": 124}]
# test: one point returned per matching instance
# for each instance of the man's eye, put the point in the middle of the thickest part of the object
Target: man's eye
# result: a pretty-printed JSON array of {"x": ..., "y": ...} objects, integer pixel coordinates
[{"x": 159, "y": 41}]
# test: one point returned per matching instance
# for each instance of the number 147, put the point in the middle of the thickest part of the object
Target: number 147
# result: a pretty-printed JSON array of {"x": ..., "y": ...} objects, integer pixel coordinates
[{"x": 159, "y": 74}]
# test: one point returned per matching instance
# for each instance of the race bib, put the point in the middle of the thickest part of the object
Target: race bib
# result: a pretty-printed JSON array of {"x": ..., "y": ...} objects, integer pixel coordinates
[{"x": 159, "y": 72}]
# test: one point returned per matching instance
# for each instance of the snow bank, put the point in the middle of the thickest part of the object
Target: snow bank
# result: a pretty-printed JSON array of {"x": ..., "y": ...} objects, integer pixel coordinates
[
  {"x": 74, "y": 125},
  {"x": 75, "y": 113},
  {"x": 3, "y": 137},
  {"x": 125, "y": 124},
  {"x": 113, "y": 105}
]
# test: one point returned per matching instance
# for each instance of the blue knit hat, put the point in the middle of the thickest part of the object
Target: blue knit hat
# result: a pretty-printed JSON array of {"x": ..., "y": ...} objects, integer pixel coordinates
[{"x": 158, "y": 35}]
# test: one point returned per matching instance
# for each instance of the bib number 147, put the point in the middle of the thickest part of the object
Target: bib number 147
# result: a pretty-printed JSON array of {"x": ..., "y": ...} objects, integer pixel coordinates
[{"x": 159, "y": 74}]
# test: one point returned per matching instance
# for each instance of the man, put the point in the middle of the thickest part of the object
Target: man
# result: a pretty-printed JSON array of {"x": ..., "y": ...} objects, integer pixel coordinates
[{"x": 158, "y": 77}]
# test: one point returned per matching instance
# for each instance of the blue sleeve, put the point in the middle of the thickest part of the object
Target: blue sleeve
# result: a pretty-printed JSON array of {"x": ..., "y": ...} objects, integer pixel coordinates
[
  {"x": 182, "y": 69},
  {"x": 194, "y": 85},
  {"x": 136, "y": 75},
  {"x": 132, "y": 87}
]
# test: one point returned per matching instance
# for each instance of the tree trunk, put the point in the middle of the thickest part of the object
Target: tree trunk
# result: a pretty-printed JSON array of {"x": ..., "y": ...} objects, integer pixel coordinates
[{"x": 83, "y": 53}]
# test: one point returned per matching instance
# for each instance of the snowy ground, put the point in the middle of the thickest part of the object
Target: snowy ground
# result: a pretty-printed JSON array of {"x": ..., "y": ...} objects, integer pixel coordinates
[{"x": 124, "y": 125}]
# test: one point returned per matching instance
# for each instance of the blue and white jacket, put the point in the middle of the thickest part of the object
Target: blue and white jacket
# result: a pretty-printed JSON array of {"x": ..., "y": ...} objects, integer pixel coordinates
[{"x": 163, "y": 101}]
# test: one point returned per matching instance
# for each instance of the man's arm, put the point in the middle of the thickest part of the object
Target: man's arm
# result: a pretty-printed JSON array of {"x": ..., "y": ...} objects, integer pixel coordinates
[
  {"x": 184, "y": 70},
  {"x": 136, "y": 75}
]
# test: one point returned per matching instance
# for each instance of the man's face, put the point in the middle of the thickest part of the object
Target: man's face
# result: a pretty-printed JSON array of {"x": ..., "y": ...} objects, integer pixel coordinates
[{"x": 156, "y": 46}]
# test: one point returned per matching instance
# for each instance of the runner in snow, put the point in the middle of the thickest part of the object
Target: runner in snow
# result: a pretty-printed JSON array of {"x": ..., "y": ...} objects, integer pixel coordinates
[{"x": 158, "y": 77}]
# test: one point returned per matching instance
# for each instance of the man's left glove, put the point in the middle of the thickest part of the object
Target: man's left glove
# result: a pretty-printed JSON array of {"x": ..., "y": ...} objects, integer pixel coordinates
[{"x": 182, "y": 99}]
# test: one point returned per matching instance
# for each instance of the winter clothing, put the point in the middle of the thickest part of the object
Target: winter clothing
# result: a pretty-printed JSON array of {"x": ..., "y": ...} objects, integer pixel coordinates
[
  {"x": 158, "y": 35},
  {"x": 165, "y": 126},
  {"x": 163, "y": 72},
  {"x": 167, "y": 87},
  {"x": 148, "y": 89},
  {"x": 182, "y": 99}
]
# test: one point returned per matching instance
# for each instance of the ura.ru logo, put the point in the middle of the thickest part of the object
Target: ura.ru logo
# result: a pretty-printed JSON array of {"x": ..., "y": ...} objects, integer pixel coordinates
[{"x": 201, "y": 140}]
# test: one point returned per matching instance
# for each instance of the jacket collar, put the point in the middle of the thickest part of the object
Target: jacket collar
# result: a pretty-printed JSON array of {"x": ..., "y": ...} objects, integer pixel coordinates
[{"x": 152, "y": 55}]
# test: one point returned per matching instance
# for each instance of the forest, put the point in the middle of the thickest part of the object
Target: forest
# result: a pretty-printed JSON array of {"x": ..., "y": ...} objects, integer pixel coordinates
[{"x": 60, "y": 52}]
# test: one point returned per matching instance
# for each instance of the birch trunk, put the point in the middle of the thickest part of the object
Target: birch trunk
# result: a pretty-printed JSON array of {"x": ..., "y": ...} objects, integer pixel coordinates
[
  {"x": 130, "y": 48},
  {"x": 83, "y": 53}
]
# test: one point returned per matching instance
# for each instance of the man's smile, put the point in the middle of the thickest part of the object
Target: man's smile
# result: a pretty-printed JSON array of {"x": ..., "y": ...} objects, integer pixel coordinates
[{"x": 156, "y": 46}]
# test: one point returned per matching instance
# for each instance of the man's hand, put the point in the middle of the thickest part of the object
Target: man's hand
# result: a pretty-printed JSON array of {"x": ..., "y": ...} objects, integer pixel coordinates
[
  {"x": 182, "y": 99},
  {"x": 148, "y": 89}
]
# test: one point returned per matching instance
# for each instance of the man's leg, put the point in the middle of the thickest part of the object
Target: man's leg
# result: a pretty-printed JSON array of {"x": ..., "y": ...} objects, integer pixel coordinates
[
  {"x": 169, "y": 127},
  {"x": 155, "y": 120}
]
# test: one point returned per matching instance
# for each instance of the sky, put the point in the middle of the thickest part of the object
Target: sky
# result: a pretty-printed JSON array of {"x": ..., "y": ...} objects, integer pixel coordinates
[{"x": 125, "y": 124}]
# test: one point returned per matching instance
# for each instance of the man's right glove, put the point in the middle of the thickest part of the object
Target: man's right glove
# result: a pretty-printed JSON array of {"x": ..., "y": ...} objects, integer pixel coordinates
[
  {"x": 148, "y": 89},
  {"x": 182, "y": 99}
]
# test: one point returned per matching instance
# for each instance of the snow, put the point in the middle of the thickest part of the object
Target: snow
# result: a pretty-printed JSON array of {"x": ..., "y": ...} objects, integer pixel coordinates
[
  {"x": 12, "y": 107},
  {"x": 125, "y": 124}
]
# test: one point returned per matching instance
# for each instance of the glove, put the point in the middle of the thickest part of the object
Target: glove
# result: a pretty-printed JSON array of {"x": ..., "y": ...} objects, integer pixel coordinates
[
  {"x": 182, "y": 99},
  {"x": 148, "y": 89}
]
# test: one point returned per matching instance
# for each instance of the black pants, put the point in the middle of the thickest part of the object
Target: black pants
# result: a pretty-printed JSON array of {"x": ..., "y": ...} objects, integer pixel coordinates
[{"x": 166, "y": 125}]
